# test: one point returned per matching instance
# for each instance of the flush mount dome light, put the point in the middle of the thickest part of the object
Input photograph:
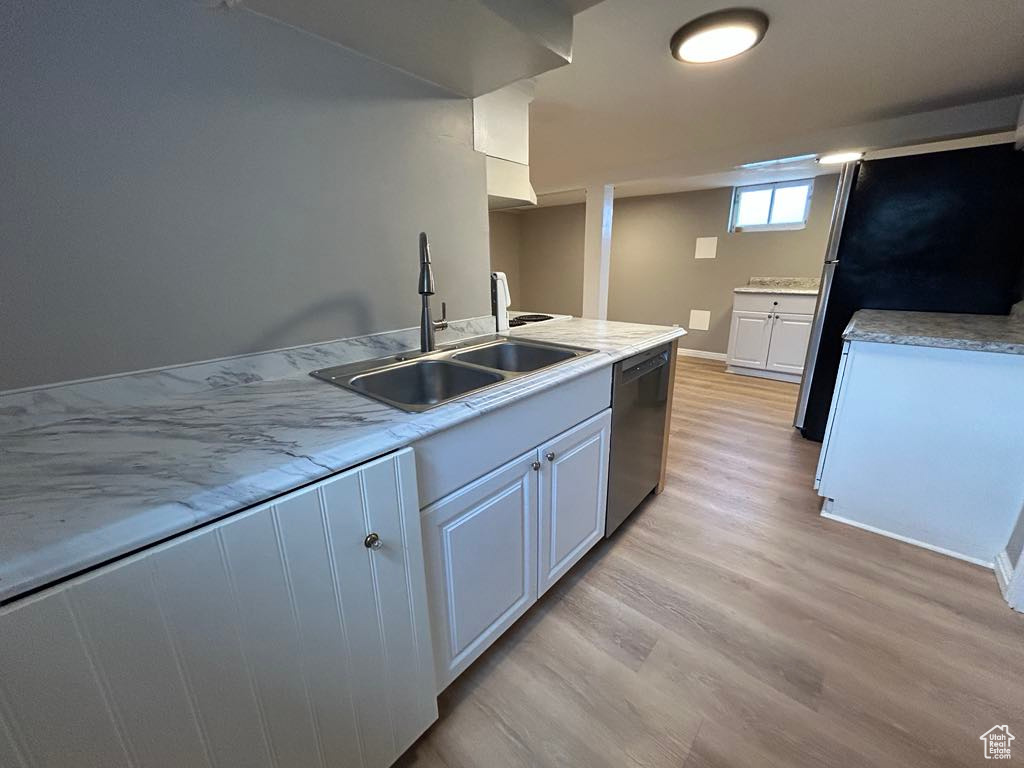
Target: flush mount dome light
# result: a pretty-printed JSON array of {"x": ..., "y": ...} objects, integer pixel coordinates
[
  {"x": 719, "y": 35},
  {"x": 838, "y": 158}
]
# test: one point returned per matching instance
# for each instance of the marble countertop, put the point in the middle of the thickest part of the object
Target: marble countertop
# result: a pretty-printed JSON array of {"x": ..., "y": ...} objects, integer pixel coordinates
[
  {"x": 93, "y": 470},
  {"x": 800, "y": 286},
  {"x": 978, "y": 333}
]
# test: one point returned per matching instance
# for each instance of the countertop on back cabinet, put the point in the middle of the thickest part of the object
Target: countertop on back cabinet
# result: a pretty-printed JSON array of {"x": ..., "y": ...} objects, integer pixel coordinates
[
  {"x": 91, "y": 472},
  {"x": 797, "y": 286},
  {"x": 977, "y": 333}
]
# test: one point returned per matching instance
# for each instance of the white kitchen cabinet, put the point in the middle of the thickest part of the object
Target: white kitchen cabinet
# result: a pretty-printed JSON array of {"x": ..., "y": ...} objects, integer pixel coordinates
[
  {"x": 573, "y": 496},
  {"x": 273, "y": 637},
  {"x": 749, "y": 338},
  {"x": 790, "y": 334},
  {"x": 481, "y": 554},
  {"x": 939, "y": 436},
  {"x": 769, "y": 334},
  {"x": 493, "y": 546}
]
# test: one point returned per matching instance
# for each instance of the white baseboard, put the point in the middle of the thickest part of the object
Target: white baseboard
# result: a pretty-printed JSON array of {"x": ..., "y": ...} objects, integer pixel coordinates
[
  {"x": 791, "y": 378},
  {"x": 701, "y": 353},
  {"x": 906, "y": 540},
  {"x": 1004, "y": 571}
]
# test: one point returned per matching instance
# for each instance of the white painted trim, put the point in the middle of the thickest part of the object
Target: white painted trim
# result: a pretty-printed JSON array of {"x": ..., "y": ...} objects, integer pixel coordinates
[
  {"x": 701, "y": 353},
  {"x": 1011, "y": 581},
  {"x": 1004, "y": 572},
  {"x": 789, "y": 378},
  {"x": 597, "y": 250},
  {"x": 966, "y": 142},
  {"x": 904, "y": 539}
]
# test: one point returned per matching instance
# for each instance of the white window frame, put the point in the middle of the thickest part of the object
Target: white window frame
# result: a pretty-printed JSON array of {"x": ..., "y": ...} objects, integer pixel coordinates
[{"x": 773, "y": 186}]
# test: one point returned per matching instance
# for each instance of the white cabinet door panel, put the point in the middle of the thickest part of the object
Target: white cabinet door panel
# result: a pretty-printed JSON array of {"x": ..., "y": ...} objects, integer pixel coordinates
[
  {"x": 574, "y": 494},
  {"x": 790, "y": 336},
  {"x": 326, "y": 651},
  {"x": 481, "y": 569},
  {"x": 124, "y": 626},
  {"x": 271, "y": 638},
  {"x": 748, "y": 339},
  {"x": 404, "y": 665},
  {"x": 269, "y": 635},
  {"x": 195, "y": 596},
  {"x": 55, "y": 710}
]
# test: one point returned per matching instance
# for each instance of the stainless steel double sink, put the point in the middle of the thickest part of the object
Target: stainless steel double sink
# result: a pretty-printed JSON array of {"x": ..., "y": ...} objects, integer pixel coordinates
[{"x": 418, "y": 382}]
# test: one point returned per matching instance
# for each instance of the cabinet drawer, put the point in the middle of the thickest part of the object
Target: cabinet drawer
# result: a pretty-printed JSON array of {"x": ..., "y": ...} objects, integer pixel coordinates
[
  {"x": 800, "y": 304},
  {"x": 448, "y": 460}
]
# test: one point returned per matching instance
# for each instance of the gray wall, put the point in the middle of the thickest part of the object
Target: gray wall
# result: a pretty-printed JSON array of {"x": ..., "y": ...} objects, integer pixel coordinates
[
  {"x": 551, "y": 259},
  {"x": 180, "y": 183},
  {"x": 506, "y": 243},
  {"x": 655, "y": 278}
]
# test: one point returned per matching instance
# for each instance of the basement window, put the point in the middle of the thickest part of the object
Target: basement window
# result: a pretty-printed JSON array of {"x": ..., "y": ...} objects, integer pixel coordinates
[{"x": 766, "y": 207}]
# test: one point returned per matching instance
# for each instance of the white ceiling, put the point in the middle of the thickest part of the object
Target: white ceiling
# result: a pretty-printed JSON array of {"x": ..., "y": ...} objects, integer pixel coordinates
[{"x": 830, "y": 74}]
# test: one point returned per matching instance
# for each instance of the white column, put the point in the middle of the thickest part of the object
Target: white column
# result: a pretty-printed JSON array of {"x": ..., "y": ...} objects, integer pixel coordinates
[{"x": 597, "y": 251}]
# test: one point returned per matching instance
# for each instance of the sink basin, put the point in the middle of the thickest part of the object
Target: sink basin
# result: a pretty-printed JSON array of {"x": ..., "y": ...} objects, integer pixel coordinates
[
  {"x": 423, "y": 383},
  {"x": 514, "y": 356},
  {"x": 417, "y": 383}
]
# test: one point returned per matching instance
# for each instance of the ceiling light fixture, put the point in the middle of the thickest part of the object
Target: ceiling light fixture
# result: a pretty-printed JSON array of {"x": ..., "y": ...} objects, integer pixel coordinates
[
  {"x": 838, "y": 158},
  {"x": 719, "y": 35}
]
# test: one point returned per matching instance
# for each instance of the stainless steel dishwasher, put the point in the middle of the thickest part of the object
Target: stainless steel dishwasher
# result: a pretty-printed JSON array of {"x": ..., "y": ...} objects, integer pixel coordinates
[{"x": 640, "y": 387}]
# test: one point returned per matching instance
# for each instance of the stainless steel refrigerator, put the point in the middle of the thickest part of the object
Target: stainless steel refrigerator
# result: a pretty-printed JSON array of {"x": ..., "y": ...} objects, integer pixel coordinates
[{"x": 934, "y": 232}]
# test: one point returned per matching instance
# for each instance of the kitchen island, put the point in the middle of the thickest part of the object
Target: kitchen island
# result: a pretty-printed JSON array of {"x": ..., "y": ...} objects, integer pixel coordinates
[
  {"x": 925, "y": 439},
  {"x": 94, "y": 470},
  {"x": 234, "y": 562}
]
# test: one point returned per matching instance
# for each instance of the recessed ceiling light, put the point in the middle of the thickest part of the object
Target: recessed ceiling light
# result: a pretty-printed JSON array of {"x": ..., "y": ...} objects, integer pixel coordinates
[
  {"x": 719, "y": 35},
  {"x": 838, "y": 158}
]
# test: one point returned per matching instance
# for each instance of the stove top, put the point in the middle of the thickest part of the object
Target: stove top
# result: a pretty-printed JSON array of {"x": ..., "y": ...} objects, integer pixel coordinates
[{"x": 515, "y": 322}]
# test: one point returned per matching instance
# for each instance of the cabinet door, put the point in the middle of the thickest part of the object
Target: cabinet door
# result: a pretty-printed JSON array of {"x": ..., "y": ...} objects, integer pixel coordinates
[
  {"x": 788, "y": 347},
  {"x": 274, "y": 637},
  {"x": 574, "y": 492},
  {"x": 480, "y": 544},
  {"x": 748, "y": 339}
]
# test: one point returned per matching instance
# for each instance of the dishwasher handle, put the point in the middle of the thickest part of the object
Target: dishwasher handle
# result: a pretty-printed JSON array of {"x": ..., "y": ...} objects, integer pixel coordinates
[{"x": 642, "y": 369}]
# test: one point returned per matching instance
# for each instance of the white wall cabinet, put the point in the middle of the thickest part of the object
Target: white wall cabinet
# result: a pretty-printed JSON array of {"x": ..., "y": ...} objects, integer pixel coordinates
[
  {"x": 272, "y": 638},
  {"x": 495, "y": 545},
  {"x": 769, "y": 334}
]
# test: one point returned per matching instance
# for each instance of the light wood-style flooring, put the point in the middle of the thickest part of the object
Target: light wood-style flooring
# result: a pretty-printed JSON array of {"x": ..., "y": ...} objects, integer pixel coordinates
[{"x": 727, "y": 624}]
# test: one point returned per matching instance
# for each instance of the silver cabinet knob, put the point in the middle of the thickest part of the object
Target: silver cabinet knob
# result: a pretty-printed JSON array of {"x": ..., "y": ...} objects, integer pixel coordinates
[
  {"x": 535, "y": 466},
  {"x": 550, "y": 455},
  {"x": 372, "y": 541}
]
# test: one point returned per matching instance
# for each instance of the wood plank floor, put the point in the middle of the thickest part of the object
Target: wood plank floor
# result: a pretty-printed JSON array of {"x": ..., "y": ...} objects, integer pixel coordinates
[{"x": 727, "y": 624}]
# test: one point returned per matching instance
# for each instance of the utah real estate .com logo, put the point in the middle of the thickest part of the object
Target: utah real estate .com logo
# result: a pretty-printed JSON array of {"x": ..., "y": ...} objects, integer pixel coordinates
[{"x": 997, "y": 742}]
